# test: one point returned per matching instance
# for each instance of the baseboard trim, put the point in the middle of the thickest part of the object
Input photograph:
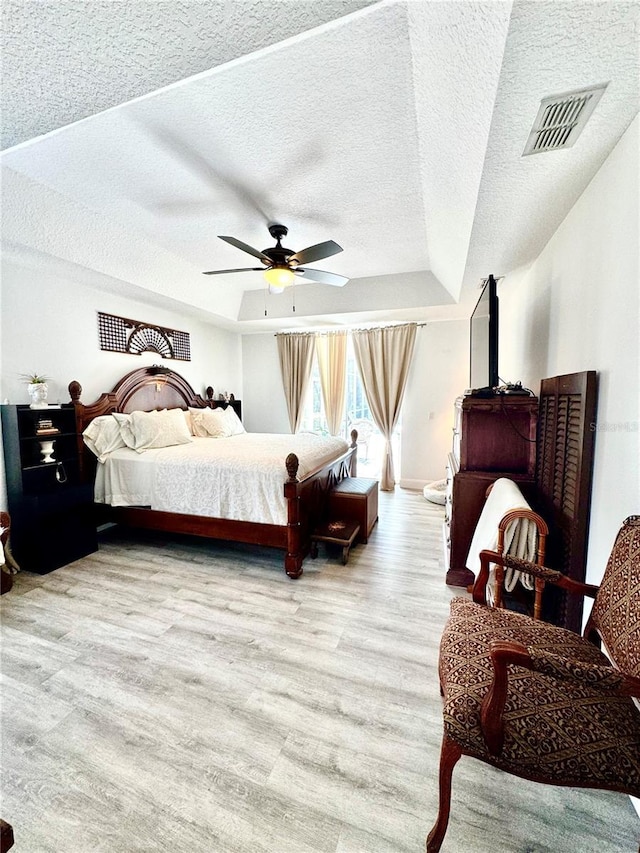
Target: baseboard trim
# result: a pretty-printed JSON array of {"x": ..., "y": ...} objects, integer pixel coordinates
[{"x": 414, "y": 485}]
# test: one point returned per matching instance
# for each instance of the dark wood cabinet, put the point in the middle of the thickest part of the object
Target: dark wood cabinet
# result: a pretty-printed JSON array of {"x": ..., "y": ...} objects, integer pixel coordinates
[
  {"x": 492, "y": 437},
  {"x": 498, "y": 434},
  {"x": 50, "y": 508}
]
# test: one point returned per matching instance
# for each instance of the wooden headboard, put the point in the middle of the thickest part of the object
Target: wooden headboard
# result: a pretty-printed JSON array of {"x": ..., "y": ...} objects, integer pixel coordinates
[{"x": 145, "y": 389}]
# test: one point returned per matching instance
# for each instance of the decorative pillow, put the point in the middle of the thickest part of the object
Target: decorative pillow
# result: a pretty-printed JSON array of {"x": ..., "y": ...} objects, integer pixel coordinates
[
  {"x": 210, "y": 422},
  {"x": 197, "y": 425},
  {"x": 124, "y": 422},
  {"x": 102, "y": 436},
  {"x": 233, "y": 421},
  {"x": 159, "y": 429},
  {"x": 187, "y": 420}
]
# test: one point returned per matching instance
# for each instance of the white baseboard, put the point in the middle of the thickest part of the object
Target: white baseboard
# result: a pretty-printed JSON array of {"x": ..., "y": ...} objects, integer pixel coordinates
[{"x": 415, "y": 485}]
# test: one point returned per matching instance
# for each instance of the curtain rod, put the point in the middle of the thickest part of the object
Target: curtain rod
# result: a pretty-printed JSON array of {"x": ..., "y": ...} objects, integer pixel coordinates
[{"x": 345, "y": 331}]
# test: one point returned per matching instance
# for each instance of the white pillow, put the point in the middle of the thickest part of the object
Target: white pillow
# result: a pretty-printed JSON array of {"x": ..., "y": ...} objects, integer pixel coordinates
[
  {"x": 102, "y": 436},
  {"x": 210, "y": 422},
  {"x": 197, "y": 425},
  {"x": 187, "y": 420},
  {"x": 124, "y": 422},
  {"x": 159, "y": 429},
  {"x": 233, "y": 421}
]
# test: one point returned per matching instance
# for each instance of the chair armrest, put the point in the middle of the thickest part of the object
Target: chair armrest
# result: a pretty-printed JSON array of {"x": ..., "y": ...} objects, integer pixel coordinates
[
  {"x": 542, "y": 573},
  {"x": 600, "y": 677},
  {"x": 503, "y": 653}
]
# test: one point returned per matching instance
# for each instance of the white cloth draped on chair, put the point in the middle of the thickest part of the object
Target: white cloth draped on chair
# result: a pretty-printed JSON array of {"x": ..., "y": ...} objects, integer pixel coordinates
[
  {"x": 383, "y": 356},
  {"x": 521, "y": 535},
  {"x": 331, "y": 349},
  {"x": 296, "y": 360}
]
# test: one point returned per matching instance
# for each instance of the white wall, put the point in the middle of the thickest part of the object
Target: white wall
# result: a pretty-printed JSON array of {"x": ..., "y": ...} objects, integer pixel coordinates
[
  {"x": 439, "y": 373},
  {"x": 576, "y": 308},
  {"x": 49, "y": 325},
  {"x": 264, "y": 408}
]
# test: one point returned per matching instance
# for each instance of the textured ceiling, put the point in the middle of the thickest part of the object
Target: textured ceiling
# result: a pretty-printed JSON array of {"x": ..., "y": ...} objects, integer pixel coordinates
[
  {"x": 64, "y": 60},
  {"x": 394, "y": 128}
]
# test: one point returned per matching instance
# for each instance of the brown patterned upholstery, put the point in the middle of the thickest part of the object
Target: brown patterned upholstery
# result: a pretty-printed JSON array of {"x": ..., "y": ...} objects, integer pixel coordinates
[
  {"x": 540, "y": 701},
  {"x": 616, "y": 612},
  {"x": 603, "y": 676},
  {"x": 567, "y": 731}
]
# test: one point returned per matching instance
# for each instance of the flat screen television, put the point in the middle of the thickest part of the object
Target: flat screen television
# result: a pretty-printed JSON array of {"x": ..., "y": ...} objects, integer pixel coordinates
[{"x": 483, "y": 362}]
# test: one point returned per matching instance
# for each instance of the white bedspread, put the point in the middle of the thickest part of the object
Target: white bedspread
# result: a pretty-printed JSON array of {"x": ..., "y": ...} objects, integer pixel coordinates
[{"x": 240, "y": 478}]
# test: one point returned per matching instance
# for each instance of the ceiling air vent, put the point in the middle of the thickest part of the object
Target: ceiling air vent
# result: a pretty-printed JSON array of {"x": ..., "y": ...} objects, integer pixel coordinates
[{"x": 561, "y": 118}]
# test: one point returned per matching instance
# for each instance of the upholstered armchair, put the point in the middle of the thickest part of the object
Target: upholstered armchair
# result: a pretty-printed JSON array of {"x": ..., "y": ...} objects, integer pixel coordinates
[{"x": 542, "y": 702}]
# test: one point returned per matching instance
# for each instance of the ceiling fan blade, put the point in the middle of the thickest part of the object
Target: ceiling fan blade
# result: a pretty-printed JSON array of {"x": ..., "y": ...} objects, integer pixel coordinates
[
  {"x": 323, "y": 277},
  {"x": 242, "y": 269},
  {"x": 316, "y": 253},
  {"x": 246, "y": 248},
  {"x": 206, "y": 171}
]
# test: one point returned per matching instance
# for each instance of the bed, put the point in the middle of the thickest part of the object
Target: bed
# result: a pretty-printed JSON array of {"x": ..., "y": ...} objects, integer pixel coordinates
[{"x": 298, "y": 494}]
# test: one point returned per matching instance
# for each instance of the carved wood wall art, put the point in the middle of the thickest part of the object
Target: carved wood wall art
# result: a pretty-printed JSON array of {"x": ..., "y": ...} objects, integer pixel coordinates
[{"x": 121, "y": 334}]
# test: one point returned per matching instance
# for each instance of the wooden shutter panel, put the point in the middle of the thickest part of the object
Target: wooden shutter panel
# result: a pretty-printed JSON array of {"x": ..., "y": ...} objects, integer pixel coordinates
[{"x": 564, "y": 464}]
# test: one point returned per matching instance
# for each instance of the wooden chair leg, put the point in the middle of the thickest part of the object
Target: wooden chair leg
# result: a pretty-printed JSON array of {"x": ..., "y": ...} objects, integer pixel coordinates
[
  {"x": 12, "y": 566},
  {"x": 449, "y": 755},
  {"x": 5, "y": 524}
]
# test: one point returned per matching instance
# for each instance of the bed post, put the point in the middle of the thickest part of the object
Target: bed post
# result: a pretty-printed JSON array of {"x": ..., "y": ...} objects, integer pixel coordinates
[
  {"x": 293, "y": 558},
  {"x": 75, "y": 390}
]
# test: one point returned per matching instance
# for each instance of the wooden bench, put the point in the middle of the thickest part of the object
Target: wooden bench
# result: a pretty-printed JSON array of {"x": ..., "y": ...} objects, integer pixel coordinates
[
  {"x": 355, "y": 499},
  {"x": 342, "y": 533}
]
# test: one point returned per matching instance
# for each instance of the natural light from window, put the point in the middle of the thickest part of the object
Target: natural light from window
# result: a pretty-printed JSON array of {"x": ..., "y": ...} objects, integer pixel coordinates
[{"x": 357, "y": 415}]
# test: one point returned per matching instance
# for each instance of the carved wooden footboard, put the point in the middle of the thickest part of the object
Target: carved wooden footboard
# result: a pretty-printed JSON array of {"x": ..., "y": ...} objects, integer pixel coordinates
[{"x": 305, "y": 499}]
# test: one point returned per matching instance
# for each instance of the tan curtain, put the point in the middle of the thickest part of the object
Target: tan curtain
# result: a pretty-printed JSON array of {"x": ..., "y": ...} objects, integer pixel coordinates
[
  {"x": 331, "y": 349},
  {"x": 383, "y": 357},
  {"x": 296, "y": 360}
]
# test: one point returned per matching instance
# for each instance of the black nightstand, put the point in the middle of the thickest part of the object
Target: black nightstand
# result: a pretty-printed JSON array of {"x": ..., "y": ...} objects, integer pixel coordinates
[{"x": 51, "y": 509}]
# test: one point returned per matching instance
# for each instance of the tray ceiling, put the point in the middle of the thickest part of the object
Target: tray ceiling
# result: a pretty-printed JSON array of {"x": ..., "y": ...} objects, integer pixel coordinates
[{"x": 394, "y": 128}]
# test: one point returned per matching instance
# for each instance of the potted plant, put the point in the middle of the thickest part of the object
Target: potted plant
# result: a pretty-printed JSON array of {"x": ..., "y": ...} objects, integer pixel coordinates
[{"x": 37, "y": 388}]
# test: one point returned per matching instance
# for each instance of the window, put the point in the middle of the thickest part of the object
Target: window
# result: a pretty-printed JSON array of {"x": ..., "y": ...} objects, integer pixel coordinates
[
  {"x": 370, "y": 441},
  {"x": 313, "y": 418},
  {"x": 356, "y": 407}
]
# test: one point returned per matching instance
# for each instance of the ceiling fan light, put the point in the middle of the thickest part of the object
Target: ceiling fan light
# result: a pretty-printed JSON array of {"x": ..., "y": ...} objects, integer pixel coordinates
[{"x": 279, "y": 277}]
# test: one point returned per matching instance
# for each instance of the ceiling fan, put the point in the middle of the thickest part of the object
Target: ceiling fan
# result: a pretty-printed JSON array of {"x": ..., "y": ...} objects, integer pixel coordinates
[{"x": 281, "y": 266}]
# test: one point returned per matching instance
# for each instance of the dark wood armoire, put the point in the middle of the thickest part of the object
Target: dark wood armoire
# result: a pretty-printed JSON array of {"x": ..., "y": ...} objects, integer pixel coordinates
[{"x": 546, "y": 445}]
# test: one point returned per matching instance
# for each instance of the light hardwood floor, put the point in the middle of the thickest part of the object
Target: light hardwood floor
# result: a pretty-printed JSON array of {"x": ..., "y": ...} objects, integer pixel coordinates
[{"x": 174, "y": 694}]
